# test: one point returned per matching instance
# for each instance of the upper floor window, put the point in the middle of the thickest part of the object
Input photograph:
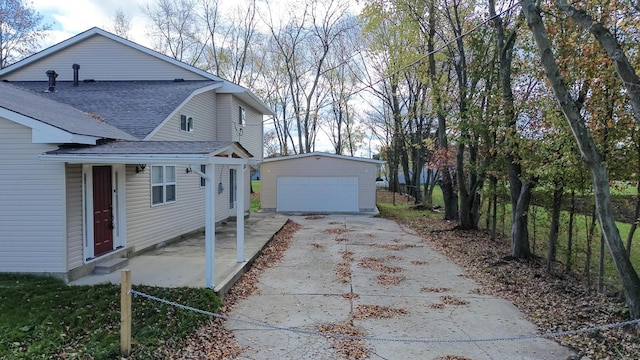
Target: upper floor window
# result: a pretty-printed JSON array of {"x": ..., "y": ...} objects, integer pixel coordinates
[
  {"x": 242, "y": 117},
  {"x": 163, "y": 184},
  {"x": 186, "y": 123}
]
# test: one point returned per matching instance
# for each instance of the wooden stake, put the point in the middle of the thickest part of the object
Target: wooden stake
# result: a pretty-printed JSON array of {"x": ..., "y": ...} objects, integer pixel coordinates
[{"x": 125, "y": 312}]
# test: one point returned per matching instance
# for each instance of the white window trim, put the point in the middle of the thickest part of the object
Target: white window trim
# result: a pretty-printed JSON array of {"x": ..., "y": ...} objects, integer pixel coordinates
[
  {"x": 164, "y": 185},
  {"x": 242, "y": 116},
  {"x": 188, "y": 120}
]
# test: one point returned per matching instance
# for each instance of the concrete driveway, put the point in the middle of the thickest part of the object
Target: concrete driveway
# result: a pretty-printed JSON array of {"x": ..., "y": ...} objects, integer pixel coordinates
[{"x": 354, "y": 269}]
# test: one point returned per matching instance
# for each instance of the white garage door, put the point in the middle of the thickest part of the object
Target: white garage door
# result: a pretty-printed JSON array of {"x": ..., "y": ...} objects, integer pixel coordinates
[{"x": 328, "y": 194}]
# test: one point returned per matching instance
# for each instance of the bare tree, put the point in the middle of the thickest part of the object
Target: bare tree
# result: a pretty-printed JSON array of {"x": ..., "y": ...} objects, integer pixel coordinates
[
  {"x": 21, "y": 30},
  {"x": 176, "y": 29},
  {"x": 232, "y": 40},
  {"x": 121, "y": 24}
]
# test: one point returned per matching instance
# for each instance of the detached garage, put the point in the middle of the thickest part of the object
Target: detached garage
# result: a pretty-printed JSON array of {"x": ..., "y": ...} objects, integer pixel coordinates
[{"x": 319, "y": 182}]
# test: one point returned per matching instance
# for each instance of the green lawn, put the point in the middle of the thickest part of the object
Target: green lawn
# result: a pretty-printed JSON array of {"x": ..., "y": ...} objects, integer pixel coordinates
[
  {"x": 255, "y": 197},
  {"x": 44, "y": 318}
]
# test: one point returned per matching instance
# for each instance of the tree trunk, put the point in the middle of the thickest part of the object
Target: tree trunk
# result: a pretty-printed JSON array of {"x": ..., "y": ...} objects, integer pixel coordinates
[
  {"x": 519, "y": 229},
  {"x": 449, "y": 194},
  {"x": 572, "y": 213},
  {"x": 556, "y": 206},
  {"x": 636, "y": 216},
  {"x": 599, "y": 176},
  {"x": 505, "y": 48},
  {"x": 601, "y": 266}
]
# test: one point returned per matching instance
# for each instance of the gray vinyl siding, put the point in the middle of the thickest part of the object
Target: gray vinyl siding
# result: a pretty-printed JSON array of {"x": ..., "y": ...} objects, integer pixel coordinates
[
  {"x": 32, "y": 204},
  {"x": 224, "y": 116},
  {"x": 320, "y": 166},
  {"x": 251, "y": 138},
  {"x": 149, "y": 225},
  {"x": 102, "y": 59},
  {"x": 74, "y": 216},
  {"x": 202, "y": 108}
]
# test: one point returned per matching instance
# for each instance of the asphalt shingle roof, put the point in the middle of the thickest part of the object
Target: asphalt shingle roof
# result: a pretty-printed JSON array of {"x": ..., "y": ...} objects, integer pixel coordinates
[
  {"x": 61, "y": 116},
  {"x": 146, "y": 147},
  {"x": 136, "y": 107}
]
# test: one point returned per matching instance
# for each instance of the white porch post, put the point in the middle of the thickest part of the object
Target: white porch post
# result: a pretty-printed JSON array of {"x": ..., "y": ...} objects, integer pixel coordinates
[
  {"x": 240, "y": 208},
  {"x": 210, "y": 227}
]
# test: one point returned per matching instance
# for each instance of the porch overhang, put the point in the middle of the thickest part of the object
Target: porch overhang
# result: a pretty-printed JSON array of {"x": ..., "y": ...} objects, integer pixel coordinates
[{"x": 208, "y": 153}]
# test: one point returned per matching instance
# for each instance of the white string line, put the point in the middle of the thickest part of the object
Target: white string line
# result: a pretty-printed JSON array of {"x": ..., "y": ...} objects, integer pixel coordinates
[{"x": 381, "y": 339}]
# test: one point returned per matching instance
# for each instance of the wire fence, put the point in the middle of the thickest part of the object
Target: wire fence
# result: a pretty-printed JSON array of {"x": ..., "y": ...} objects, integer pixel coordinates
[{"x": 593, "y": 329}]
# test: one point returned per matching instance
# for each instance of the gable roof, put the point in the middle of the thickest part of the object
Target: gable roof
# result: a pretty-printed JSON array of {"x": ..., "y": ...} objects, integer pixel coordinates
[
  {"x": 322, "y": 154},
  {"x": 227, "y": 86},
  {"x": 136, "y": 107},
  {"x": 22, "y": 105}
]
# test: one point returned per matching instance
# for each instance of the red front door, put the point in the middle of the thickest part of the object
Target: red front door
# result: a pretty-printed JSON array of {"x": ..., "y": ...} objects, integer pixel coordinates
[{"x": 102, "y": 210}]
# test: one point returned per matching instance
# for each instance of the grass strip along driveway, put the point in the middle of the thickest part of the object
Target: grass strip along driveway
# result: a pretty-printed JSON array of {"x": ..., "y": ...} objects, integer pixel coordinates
[{"x": 44, "y": 318}]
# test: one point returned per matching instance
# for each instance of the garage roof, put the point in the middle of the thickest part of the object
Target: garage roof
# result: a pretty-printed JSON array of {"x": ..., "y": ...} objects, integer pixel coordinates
[{"x": 322, "y": 154}]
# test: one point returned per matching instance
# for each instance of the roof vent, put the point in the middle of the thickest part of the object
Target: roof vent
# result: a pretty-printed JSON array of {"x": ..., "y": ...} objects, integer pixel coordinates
[
  {"x": 75, "y": 67},
  {"x": 52, "y": 80},
  {"x": 178, "y": 80}
]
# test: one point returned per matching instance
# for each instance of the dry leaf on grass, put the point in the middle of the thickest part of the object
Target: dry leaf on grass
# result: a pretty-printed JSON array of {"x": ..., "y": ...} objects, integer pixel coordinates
[
  {"x": 377, "y": 312},
  {"x": 419, "y": 262},
  {"x": 341, "y": 238},
  {"x": 317, "y": 245},
  {"x": 335, "y": 223},
  {"x": 453, "y": 357},
  {"x": 437, "y": 306}
]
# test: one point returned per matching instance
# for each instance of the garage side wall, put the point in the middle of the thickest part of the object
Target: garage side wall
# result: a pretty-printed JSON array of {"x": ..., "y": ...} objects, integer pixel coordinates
[{"x": 319, "y": 166}]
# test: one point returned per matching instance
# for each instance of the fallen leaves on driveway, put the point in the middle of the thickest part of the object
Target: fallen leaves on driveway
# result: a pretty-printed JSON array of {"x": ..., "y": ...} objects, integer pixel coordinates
[
  {"x": 379, "y": 264},
  {"x": 386, "y": 280},
  {"x": 553, "y": 302},
  {"x": 435, "y": 289},
  {"x": 393, "y": 246},
  {"x": 213, "y": 340},
  {"x": 349, "y": 348},
  {"x": 377, "y": 312}
]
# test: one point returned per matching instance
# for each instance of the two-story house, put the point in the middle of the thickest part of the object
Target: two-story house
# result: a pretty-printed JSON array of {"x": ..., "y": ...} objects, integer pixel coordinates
[{"x": 108, "y": 148}]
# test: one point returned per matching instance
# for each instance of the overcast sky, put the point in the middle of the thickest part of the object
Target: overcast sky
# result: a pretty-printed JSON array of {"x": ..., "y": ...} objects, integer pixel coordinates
[{"x": 70, "y": 17}]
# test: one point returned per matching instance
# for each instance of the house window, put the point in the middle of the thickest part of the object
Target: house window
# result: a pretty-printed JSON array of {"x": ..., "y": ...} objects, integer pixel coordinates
[
  {"x": 242, "y": 118},
  {"x": 186, "y": 123},
  {"x": 203, "y": 181},
  {"x": 163, "y": 184}
]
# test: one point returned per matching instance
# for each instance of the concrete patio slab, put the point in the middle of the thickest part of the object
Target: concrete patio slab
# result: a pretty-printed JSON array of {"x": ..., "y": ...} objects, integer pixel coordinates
[{"x": 183, "y": 263}]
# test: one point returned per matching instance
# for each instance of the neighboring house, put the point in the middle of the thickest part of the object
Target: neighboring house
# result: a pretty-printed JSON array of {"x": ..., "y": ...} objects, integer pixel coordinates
[
  {"x": 111, "y": 156},
  {"x": 319, "y": 182}
]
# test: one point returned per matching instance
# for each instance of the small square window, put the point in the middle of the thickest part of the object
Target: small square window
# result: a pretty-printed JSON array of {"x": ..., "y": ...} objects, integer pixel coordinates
[
  {"x": 242, "y": 118},
  {"x": 186, "y": 123}
]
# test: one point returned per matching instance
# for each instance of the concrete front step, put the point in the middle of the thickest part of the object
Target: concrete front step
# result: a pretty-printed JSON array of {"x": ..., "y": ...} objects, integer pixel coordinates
[{"x": 110, "y": 265}]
